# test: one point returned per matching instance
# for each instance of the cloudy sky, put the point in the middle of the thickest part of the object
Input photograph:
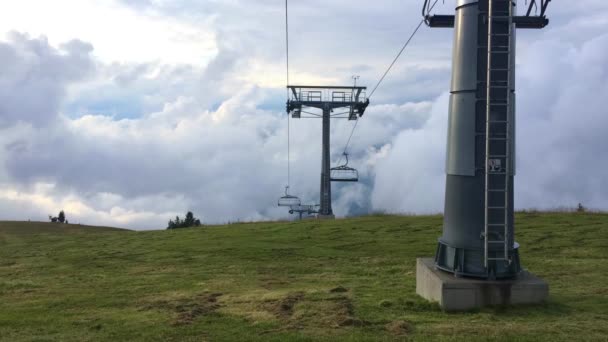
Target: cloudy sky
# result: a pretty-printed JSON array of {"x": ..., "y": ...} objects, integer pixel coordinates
[{"x": 129, "y": 112}]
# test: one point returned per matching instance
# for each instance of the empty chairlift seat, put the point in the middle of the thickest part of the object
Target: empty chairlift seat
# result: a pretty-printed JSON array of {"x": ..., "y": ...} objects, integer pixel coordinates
[
  {"x": 288, "y": 200},
  {"x": 344, "y": 173}
]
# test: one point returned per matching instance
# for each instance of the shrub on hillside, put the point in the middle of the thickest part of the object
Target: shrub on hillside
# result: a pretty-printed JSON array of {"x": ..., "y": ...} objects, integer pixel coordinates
[
  {"x": 59, "y": 218},
  {"x": 188, "y": 221}
]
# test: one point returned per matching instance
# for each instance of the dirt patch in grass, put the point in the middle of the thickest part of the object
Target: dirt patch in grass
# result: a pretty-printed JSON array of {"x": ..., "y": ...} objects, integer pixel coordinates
[
  {"x": 187, "y": 309},
  {"x": 339, "y": 289},
  {"x": 283, "y": 308},
  {"x": 353, "y": 322},
  {"x": 270, "y": 283},
  {"x": 342, "y": 313},
  {"x": 399, "y": 328},
  {"x": 297, "y": 312}
]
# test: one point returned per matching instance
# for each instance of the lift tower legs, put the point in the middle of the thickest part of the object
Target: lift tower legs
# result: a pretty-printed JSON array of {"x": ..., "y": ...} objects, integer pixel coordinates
[{"x": 325, "y": 209}]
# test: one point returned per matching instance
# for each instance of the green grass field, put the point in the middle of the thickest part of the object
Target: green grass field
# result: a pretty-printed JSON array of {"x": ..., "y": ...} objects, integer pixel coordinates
[{"x": 351, "y": 279}]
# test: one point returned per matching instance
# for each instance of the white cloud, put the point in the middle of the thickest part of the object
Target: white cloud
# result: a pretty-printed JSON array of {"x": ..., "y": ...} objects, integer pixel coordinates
[
  {"x": 34, "y": 79},
  {"x": 197, "y": 124},
  {"x": 43, "y": 200},
  {"x": 410, "y": 178},
  {"x": 561, "y": 136},
  {"x": 118, "y": 33}
]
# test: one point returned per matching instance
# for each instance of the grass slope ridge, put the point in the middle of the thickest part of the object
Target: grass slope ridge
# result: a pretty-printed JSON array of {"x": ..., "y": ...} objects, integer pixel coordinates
[
  {"x": 351, "y": 279},
  {"x": 35, "y": 227}
]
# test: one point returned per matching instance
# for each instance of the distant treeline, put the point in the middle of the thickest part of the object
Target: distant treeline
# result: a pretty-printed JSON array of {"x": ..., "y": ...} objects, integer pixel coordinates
[
  {"x": 189, "y": 221},
  {"x": 59, "y": 218}
]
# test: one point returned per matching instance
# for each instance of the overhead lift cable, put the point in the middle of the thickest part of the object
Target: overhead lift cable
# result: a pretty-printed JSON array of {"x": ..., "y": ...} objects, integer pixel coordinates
[
  {"x": 287, "y": 91},
  {"x": 288, "y": 200},
  {"x": 384, "y": 76}
]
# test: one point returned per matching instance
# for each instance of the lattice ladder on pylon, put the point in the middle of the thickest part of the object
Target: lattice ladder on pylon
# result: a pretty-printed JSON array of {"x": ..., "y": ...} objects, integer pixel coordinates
[{"x": 498, "y": 131}]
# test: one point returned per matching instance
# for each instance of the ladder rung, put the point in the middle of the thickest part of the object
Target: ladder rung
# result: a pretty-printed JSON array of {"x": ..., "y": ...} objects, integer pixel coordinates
[
  {"x": 497, "y": 190},
  {"x": 495, "y": 81},
  {"x": 491, "y": 156},
  {"x": 497, "y": 173},
  {"x": 497, "y": 259},
  {"x": 496, "y": 224},
  {"x": 497, "y": 241},
  {"x": 497, "y": 207},
  {"x": 499, "y": 69},
  {"x": 494, "y": 46},
  {"x": 502, "y": 51},
  {"x": 498, "y": 139},
  {"x": 498, "y": 121}
]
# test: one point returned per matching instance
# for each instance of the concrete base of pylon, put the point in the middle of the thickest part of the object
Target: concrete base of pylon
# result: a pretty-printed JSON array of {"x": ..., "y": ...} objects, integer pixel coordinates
[{"x": 461, "y": 294}]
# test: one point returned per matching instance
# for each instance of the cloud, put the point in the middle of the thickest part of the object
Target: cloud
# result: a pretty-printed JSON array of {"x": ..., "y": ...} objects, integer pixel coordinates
[
  {"x": 224, "y": 163},
  {"x": 410, "y": 177},
  {"x": 228, "y": 164},
  {"x": 561, "y": 136},
  {"x": 43, "y": 200},
  {"x": 34, "y": 81},
  {"x": 562, "y": 124},
  {"x": 133, "y": 138}
]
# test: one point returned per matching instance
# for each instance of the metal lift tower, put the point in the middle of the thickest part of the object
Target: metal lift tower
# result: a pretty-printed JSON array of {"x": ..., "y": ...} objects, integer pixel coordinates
[
  {"x": 352, "y": 99},
  {"x": 478, "y": 232}
]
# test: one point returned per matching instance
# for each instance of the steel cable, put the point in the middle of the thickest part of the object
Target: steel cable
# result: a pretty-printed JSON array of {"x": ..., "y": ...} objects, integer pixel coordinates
[{"x": 384, "y": 76}]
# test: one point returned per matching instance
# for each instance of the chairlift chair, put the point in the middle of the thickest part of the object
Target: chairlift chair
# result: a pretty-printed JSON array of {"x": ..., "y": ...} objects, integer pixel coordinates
[
  {"x": 288, "y": 200},
  {"x": 344, "y": 173}
]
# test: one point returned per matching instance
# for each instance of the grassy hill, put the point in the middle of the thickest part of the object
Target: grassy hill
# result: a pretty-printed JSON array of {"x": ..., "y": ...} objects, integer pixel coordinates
[
  {"x": 20, "y": 228},
  {"x": 351, "y": 279}
]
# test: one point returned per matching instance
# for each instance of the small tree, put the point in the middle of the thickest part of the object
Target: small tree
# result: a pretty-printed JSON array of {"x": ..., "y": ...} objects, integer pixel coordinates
[
  {"x": 61, "y": 217},
  {"x": 188, "y": 221},
  {"x": 580, "y": 208}
]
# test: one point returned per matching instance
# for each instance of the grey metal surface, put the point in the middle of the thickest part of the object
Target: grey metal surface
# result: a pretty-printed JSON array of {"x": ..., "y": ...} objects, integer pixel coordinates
[
  {"x": 465, "y": 2},
  {"x": 327, "y": 87},
  {"x": 527, "y": 21},
  {"x": 325, "y": 208},
  {"x": 461, "y": 247},
  {"x": 460, "y": 156},
  {"x": 464, "y": 56},
  {"x": 497, "y": 222}
]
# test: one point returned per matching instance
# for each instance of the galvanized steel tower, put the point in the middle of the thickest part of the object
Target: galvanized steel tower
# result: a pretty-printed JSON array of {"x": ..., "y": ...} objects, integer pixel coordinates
[
  {"x": 327, "y": 99},
  {"x": 478, "y": 232}
]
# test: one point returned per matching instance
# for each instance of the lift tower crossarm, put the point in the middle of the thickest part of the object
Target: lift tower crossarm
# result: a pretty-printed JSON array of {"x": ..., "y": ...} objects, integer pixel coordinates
[
  {"x": 327, "y": 96},
  {"x": 521, "y": 22}
]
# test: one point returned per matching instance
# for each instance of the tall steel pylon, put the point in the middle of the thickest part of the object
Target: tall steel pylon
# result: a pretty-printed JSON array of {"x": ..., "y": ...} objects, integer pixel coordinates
[
  {"x": 327, "y": 99},
  {"x": 478, "y": 230}
]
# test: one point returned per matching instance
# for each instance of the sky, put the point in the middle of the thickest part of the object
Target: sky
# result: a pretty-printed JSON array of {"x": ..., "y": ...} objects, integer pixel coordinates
[{"x": 130, "y": 112}]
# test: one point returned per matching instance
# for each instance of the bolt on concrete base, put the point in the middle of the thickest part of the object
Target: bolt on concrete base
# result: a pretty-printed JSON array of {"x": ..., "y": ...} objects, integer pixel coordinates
[{"x": 461, "y": 294}]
